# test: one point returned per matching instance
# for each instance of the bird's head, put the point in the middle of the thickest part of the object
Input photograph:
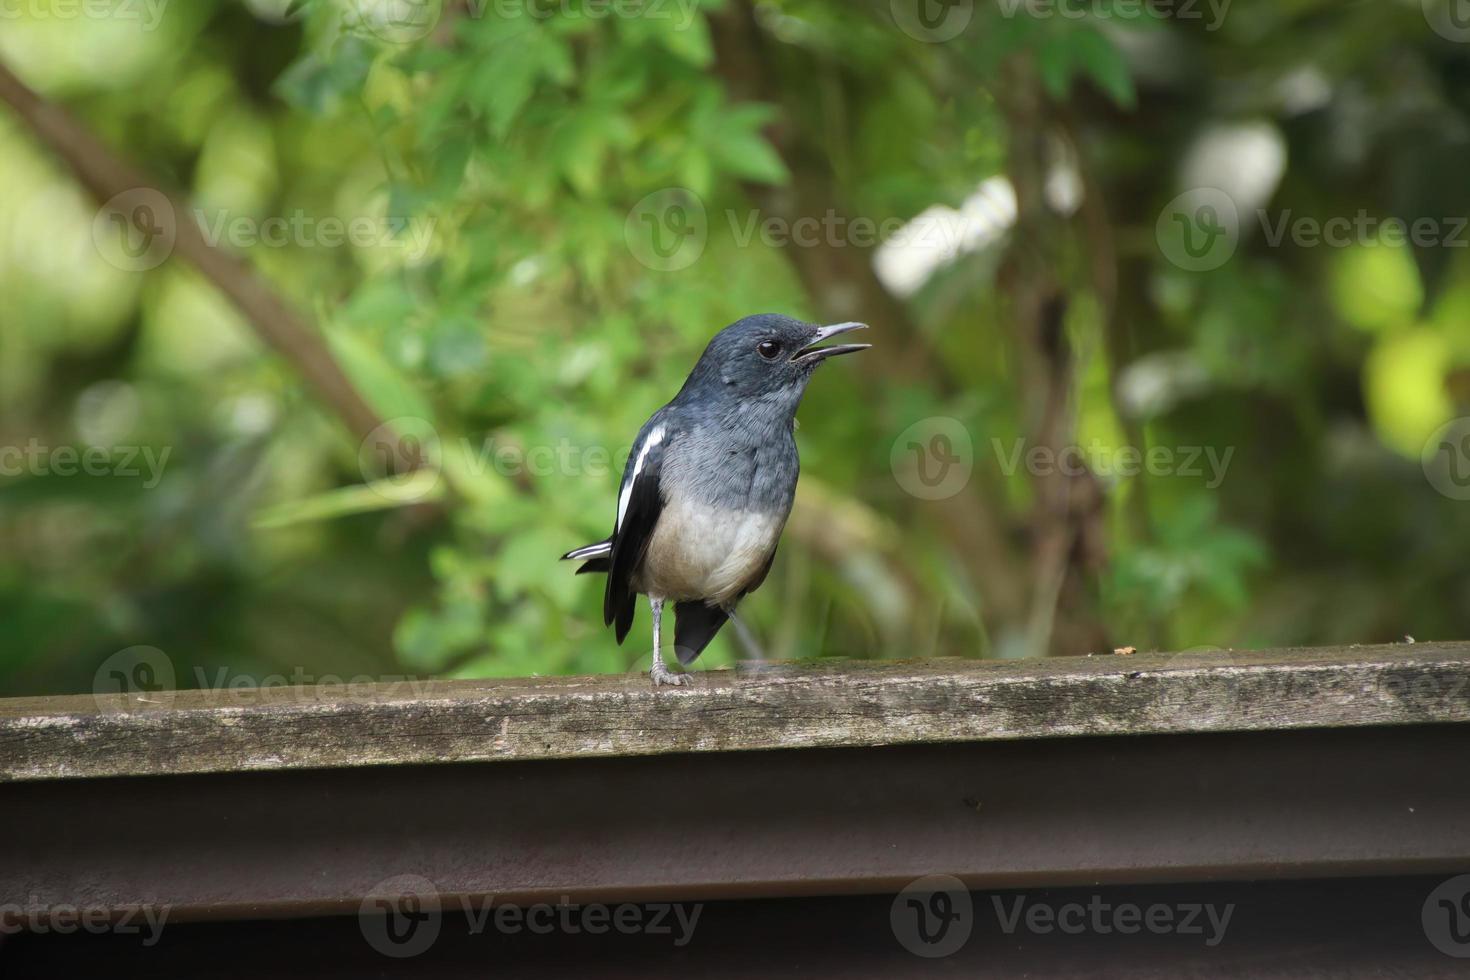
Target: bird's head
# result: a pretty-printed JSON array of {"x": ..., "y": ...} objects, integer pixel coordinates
[{"x": 769, "y": 356}]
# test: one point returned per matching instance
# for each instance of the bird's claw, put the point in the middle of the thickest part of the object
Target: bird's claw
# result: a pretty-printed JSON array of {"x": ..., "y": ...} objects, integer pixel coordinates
[{"x": 662, "y": 675}]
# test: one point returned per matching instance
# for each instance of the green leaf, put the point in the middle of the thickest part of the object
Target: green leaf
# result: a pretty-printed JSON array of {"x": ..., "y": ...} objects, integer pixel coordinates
[
  {"x": 383, "y": 385},
  {"x": 320, "y": 85},
  {"x": 688, "y": 40},
  {"x": 739, "y": 146},
  {"x": 1054, "y": 62},
  {"x": 1101, "y": 60}
]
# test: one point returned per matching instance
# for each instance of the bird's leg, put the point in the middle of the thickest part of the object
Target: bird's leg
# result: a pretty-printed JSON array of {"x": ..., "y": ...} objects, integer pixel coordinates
[
  {"x": 747, "y": 638},
  {"x": 661, "y": 674}
]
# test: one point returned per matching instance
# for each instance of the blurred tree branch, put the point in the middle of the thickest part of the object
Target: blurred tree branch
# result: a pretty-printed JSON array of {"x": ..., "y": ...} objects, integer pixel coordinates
[
  {"x": 1067, "y": 536},
  {"x": 106, "y": 176}
]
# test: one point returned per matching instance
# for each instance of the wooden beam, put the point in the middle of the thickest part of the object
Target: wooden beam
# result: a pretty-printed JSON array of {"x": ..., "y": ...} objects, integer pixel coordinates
[{"x": 825, "y": 703}]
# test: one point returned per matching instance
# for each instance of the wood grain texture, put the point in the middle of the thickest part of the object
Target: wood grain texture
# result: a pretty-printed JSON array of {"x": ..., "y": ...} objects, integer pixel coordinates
[{"x": 822, "y": 703}]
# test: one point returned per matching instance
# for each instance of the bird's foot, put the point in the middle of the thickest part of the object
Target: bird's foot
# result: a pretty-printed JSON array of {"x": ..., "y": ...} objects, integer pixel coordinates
[{"x": 661, "y": 674}]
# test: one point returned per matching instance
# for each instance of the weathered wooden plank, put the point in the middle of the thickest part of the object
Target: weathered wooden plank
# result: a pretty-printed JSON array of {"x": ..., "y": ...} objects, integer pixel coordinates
[{"x": 775, "y": 706}]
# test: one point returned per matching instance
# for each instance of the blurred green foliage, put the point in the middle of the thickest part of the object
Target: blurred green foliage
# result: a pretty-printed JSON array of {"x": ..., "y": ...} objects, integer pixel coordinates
[{"x": 499, "y": 155}]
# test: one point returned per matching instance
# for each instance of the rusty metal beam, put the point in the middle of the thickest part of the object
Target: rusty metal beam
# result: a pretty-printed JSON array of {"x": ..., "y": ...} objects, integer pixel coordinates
[
  {"x": 1342, "y": 928},
  {"x": 1053, "y": 812}
]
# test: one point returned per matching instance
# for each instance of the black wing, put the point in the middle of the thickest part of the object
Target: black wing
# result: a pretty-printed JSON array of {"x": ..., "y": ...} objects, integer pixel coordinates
[{"x": 640, "y": 502}]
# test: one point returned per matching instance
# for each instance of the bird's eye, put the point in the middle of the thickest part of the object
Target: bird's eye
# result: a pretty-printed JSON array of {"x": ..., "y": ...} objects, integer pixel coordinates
[{"x": 768, "y": 349}]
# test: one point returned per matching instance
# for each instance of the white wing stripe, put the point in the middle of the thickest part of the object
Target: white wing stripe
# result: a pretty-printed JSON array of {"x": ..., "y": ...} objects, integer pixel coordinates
[
  {"x": 599, "y": 550},
  {"x": 654, "y": 438}
]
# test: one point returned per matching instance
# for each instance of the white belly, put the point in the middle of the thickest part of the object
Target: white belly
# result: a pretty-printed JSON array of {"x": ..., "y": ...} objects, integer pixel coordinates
[{"x": 703, "y": 552}]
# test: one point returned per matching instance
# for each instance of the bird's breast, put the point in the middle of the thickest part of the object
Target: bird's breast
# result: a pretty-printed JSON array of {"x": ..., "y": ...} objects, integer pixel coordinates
[{"x": 703, "y": 551}]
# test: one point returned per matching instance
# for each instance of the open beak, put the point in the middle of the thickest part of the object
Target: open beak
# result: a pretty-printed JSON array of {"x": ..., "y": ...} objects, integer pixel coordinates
[{"x": 811, "y": 353}]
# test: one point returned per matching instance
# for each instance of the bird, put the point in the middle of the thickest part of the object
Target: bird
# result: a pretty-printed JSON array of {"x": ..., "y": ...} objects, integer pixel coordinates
[{"x": 709, "y": 483}]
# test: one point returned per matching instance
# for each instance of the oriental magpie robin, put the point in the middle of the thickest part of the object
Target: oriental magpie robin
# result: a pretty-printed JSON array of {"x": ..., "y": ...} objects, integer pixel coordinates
[{"x": 709, "y": 484}]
